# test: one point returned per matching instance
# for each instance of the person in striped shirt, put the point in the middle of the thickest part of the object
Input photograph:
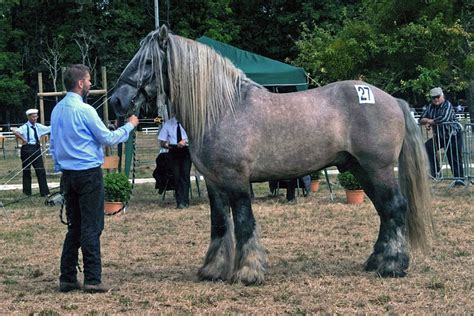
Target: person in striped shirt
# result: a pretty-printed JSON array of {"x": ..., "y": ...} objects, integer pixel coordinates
[{"x": 447, "y": 136}]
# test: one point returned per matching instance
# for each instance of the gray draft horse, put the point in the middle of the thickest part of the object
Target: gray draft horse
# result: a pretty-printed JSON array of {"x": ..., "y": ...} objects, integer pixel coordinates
[{"x": 241, "y": 133}]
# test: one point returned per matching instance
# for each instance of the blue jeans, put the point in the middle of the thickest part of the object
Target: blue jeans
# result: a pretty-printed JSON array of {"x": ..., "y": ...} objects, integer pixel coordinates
[{"x": 84, "y": 196}]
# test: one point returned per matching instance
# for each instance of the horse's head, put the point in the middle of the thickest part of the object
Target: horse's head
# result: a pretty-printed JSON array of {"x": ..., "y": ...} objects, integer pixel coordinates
[{"x": 141, "y": 83}]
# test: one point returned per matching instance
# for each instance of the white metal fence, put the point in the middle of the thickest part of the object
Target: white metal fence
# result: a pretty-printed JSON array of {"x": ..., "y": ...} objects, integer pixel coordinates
[{"x": 450, "y": 148}]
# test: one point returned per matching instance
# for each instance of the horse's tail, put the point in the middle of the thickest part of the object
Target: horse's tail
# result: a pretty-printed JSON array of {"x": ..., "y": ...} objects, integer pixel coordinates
[{"x": 413, "y": 178}]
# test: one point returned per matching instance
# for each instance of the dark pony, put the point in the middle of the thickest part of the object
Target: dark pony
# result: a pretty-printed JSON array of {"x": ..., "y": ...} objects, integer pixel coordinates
[{"x": 241, "y": 133}]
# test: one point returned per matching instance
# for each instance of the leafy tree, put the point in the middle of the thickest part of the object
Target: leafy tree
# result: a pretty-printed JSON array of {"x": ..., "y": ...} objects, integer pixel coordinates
[
  {"x": 12, "y": 85},
  {"x": 213, "y": 18},
  {"x": 405, "y": 47},
  {"x": 388, "y": 43},
  {"x": 270, "y": 28}
]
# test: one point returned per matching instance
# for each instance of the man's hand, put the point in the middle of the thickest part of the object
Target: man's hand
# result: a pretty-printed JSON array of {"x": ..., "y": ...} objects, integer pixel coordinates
[
  {"x": 182, "y": 143},
  {"x": 134, "y": 120},
  {"x": 426, "y": 120},
  {"x": 19, "y": 136}
]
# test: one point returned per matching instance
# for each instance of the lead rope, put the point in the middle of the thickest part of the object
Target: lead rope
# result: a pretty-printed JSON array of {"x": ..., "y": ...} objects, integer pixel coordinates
[
  {"x": 134, "y": 159},
  {"x": 134, "y": 147},
  {"x": 134, "y": 162}
]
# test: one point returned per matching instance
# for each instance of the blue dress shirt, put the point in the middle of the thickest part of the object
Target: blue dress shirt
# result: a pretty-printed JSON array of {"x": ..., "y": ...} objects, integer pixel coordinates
[
  {"x": 26, "y": 130},
  {"x": 77, "y": 135},
  {"x": 168, "y": 132}
]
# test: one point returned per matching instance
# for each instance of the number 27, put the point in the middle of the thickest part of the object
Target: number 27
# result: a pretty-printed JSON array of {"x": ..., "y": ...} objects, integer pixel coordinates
[{"x": 365, "y": 93}]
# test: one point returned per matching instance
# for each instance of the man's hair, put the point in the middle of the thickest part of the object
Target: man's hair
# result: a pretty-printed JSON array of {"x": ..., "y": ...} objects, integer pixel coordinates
[{"x": 73, "y": 74}]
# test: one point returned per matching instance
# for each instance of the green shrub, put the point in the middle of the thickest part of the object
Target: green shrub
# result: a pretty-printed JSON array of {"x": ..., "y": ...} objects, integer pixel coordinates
[
  {"x": 348, "y": 181},
  {"x": 316, "y": 175},
  {"x": 117, "y": 187}
]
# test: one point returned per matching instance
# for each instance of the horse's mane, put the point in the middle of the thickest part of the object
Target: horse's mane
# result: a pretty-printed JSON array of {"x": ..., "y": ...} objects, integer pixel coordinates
[{"x": 203, "y": 84}]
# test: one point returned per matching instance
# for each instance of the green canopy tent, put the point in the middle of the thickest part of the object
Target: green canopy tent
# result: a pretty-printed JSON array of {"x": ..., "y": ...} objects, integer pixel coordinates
[{"x": 262, "y": 70}]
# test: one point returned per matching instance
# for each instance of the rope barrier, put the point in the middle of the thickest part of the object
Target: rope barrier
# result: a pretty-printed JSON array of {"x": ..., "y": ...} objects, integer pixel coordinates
[{"x": 28, "y": 165}]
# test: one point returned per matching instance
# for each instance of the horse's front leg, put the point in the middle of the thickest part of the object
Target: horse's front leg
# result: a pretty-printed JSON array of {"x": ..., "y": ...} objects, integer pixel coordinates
[
  {"x": 250, "y": 258},
  {"x": 220, "y": 255}
]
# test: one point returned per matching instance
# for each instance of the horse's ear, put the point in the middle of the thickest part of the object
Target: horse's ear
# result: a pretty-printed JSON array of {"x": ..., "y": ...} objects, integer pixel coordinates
[{"x": 163, "y": 35}]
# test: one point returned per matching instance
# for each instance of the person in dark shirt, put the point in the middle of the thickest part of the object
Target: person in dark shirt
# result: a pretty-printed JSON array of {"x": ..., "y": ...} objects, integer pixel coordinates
[{"x": 447, "y": 136}]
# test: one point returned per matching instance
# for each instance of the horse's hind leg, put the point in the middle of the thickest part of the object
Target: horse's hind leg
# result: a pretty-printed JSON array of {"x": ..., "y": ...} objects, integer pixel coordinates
[
  {"x": 220, "y": 255},
  {"x": 390, "y": 256},
  {"x": 250, "y": 258}
]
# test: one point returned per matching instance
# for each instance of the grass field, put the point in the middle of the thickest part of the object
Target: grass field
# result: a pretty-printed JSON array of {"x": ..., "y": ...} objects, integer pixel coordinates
[{"x": 316, "y": 250}]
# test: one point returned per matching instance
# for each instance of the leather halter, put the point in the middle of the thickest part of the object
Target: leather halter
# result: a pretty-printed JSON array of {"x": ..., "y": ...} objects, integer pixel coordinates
[{"x": 133, "y": 109}]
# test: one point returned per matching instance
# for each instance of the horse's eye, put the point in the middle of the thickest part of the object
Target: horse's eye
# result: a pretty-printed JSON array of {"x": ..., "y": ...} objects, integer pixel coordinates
[{"x": 148, "y": 62}]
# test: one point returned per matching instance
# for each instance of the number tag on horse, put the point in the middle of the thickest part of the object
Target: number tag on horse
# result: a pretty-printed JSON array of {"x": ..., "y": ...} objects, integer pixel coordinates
[{"x": 365, "y": 94}]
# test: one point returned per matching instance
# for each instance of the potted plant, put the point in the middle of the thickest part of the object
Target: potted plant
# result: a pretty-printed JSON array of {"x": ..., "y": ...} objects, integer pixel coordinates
[
  {"x": 354, "y": 192},
  {"x": 117, "y": 191},
  {"x": 315, "y": 177}
]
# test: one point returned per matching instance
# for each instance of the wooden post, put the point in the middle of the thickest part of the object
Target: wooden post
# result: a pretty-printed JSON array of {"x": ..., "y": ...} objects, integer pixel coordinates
[
  {"x": 41, "y": 101},
  {"x": 41, "y": 105},
  {"x": 105, "y": 106}
]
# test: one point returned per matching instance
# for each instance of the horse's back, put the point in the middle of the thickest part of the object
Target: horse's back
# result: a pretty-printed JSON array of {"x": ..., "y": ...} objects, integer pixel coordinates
[
  {"x": 341, "y": 113},
  {"x": 276, "y": 135}
]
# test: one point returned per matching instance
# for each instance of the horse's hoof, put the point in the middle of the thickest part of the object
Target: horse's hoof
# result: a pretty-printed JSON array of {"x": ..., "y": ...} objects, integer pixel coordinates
[
  {"x": 209, "y": 273},
  {"x": 391, "y": 272},
  {"x": 392, "y": 267},
  {"x": 248, "y": 277},
  {"x": 373, "y": 263}
]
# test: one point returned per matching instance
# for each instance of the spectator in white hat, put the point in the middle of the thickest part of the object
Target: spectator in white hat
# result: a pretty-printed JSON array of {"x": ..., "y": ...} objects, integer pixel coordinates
[
  {"x": 446, "y": 134},
  {"x": 30, "y": 134}
]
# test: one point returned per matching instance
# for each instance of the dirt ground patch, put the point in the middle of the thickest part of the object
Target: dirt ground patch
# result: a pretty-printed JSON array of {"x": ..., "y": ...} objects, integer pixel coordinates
[{"x": 316, "y": 250}]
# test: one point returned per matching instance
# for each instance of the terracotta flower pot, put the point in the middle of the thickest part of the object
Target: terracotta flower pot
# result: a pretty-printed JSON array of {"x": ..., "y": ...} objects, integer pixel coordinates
[
  {"x": 314, "y": 185},
  {"x": 355, "y": 196},
  {"x": 111, "y": 208}
]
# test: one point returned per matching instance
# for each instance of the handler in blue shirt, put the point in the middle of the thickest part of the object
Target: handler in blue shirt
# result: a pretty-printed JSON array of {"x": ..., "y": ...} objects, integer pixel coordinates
[
  {"x": 30, "y": 133},
  {"x": 77, "y": 136}
]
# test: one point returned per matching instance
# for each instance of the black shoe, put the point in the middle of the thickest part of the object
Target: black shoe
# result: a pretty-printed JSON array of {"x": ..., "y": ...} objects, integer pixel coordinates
[
  {"x": 69, "y": 286},
  {"x": 95, "y": 288},
  {"x": 459, "y": 182}
]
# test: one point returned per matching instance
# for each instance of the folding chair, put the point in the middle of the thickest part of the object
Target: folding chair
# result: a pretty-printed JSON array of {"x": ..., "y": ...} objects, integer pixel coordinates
[
  {"x": 111, "y": 163},
  {"x": 165, "y": 179}
]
